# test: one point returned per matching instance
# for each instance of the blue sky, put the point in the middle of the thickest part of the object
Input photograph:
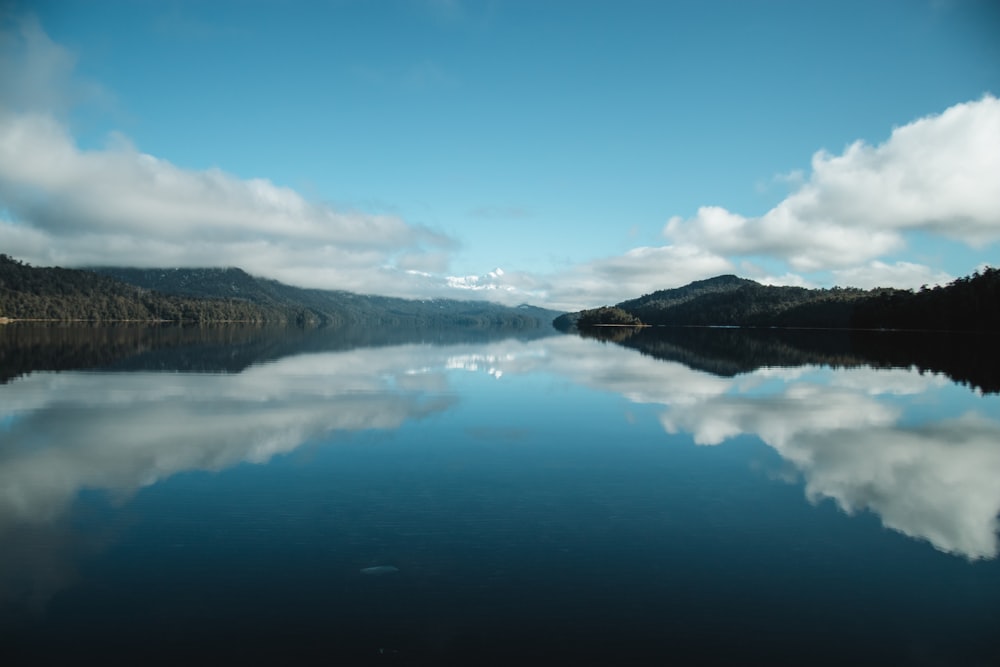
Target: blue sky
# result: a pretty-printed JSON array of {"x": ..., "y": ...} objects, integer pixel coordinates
[{"x": 593, "y": 151}]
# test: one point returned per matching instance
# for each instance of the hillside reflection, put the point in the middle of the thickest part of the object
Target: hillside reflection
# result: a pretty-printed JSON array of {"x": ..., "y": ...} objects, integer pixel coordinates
[
  {"x": 229, "y": 348},
  {"x": 972, "y": 359}
]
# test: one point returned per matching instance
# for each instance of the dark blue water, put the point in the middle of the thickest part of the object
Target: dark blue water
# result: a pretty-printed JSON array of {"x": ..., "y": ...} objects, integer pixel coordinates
[{"x": 525, "y": 502}]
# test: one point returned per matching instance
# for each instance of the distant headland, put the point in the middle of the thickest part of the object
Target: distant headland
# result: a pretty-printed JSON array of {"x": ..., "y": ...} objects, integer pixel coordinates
[{"x": 970, "y": 303}]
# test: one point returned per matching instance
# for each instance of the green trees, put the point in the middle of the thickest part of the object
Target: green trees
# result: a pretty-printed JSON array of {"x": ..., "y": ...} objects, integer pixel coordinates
[
  {"x": 42, "y": 293},
  {"x": 967, "y": 304},
  {"x": 970, "y": 303},
  {"x": 606, "y": 316},
  {"x": 229, "y": 295}
]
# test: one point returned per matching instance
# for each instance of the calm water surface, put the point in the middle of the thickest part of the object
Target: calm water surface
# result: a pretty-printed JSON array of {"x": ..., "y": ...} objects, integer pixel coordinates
[{"x": 497, "y": 501}]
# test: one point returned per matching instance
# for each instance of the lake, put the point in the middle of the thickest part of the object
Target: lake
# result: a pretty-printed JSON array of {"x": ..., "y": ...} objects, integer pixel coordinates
[{"x": 442, "y": 497}]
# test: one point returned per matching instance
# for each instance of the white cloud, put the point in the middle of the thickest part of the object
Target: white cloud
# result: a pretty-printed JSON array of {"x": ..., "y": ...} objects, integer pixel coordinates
[
  {"x": 805, "y": 245},
  {"x": 501, "y": 286},
  {"x": 786, "y": 279},
  {"x": 638, "y": 271},
  {"x": 937, "y": 174},
  {"x": 904, "y": 275},
  {"x": 117, "y": 205},
  {"x": 61, "y": 204}
]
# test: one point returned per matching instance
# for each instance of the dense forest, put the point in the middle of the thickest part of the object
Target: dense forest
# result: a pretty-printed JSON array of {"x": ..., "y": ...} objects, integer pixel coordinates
[
  {"x": 331, "y": 307},
  {"x": 606, "y": 316},
  {"x": 227, "y": 295},
  {"x": 43, "y": 293},
  {"x": 967, "y": 304}
]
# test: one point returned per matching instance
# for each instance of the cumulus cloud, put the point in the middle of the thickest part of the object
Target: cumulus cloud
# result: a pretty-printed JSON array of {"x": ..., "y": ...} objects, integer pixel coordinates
[
  {"x": 63, "y": 204},
  {"x": 639, "y": 271},
  {"x": 118, "y": 205},
  {"x": 937, "y": 174},
  {"x": 904, "y": 275},
  {"x": 806, "y": 245}
]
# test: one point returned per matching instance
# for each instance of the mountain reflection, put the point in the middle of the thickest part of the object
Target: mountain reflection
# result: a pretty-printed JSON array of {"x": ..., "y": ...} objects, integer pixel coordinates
[{"x": 967, "y": 358}]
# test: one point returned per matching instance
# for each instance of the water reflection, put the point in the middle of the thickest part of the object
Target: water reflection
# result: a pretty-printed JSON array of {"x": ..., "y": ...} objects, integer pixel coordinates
[
  {"x": 935, "y": 478},
  {"x": 972, "y": 359},
  {"x": 122, "y": 431},
  {"x": 63, "y": 433},
  {"x": 904, "y": 445}
]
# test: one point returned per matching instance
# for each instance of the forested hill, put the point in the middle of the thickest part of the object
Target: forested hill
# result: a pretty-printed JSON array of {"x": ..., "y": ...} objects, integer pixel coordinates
[
  {"x": 967, "y": 304},
  {"x": 214, "y": 295}
]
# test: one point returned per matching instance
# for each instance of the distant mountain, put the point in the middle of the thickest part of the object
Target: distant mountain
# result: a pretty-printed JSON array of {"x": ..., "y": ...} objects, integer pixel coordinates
[
  {"x": 231, "y": 294},
  {"x": 967, "y": 304},
  {"x": 335, "y": 307}
]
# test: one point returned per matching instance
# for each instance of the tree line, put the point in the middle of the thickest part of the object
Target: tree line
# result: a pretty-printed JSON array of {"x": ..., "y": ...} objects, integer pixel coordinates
[
  {"x": 229, "y": 295},
  {"x": 970, "y": 303},
  {"x": 55, "y": 293}
]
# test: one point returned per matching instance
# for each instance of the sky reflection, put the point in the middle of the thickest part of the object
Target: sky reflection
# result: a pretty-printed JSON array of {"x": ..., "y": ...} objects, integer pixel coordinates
[
  {"x": 860, "y": 437},
  {"x": 928, "y": 478}
]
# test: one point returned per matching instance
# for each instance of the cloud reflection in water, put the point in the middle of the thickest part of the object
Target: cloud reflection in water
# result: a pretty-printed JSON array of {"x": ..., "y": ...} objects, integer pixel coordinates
[
  {"x": 119, "y": 432},
  {"x": 932, "y": 480},
  {"x": 856, "y": 436}
]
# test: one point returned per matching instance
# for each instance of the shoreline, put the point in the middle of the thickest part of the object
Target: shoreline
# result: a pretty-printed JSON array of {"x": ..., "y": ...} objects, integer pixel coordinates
[{"x": 12, "y": 320}]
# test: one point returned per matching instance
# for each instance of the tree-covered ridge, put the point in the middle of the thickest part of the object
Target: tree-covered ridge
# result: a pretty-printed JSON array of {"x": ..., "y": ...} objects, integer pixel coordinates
[
  {"x": 55, "y": 293},
  {"x": 967, "y": 304},
  {"x": 332, "y": 307},
  {"x": 217, "y": 295},
  {"x": 606, "y": 317}
]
